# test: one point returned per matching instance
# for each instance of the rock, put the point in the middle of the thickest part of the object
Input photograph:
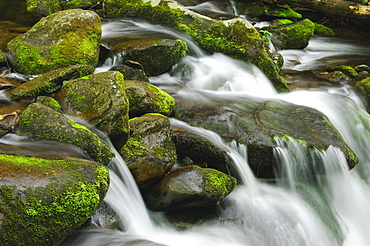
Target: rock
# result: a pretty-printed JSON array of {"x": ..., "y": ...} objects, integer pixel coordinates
[
  {"x": 324, "y": 31},
  {"x": 292, "y": 36},
  {"x": 130, "y": 73},
  {"x": 363, "y": 88},
  {"x": 347, "y": 70},
  {"x": 41, "y": 121},
  {"x": 100, "y": 99},
  {"x": 337, "y": 76},
  {"x": 50, "y": 102},
  {"x": 43, "y": 7},
  {"x": 48, "y": 45},
  {"x": 190, "y": 187},
  {"x": 363, "y": 67},
  {"x": 255, "y": 123},
  {"x": 147, "y": 98},
  {"x": 267, "y": 10},
  {"x": 48, "y": 82},
  {"x": 83, "y": 4},
  {"x": 236, "y": 37},
  {"x": 44, "y": 200},
  {"x": 157, "y": 56},
  {"x": 149, "y": 152},
  {"x": 199, "y": 150}
]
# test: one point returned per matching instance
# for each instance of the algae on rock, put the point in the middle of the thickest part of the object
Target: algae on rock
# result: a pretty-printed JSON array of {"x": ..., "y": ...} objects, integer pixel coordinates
[{"x": 48, "y": 45}]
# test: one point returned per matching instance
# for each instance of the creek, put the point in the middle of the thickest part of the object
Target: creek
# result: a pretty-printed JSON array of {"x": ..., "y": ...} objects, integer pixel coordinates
[{"x": 299, "y": 209}]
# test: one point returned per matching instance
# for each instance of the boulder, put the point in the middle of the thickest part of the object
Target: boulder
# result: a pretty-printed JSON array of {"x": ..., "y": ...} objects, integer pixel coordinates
[
  {"x": 149, "y": 152},
  {"x": 255, "y": 123},
  {"x": 100, "y": 99},
  {"x": 44, "y": 200},
  {"x": 130, "y": 73},
  {"x": 236, "y": 37},
  {"x": 147, "y": 98},
  {"x": 40, "y": 121},
  {"x": 156, "y": 56},
  {"x": 190, "y": 187},
  {"x": 199, "y": 151},
  {"x": 292, "y": 36},
  {"x": 48, "y": 45},
  {"x": 43, "y": 7},
  {"x": 266, "y": 11},
  {"x": 48, "y": 82}
]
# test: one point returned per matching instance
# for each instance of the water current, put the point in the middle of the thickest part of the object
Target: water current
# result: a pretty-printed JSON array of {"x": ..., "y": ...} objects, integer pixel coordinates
[{"x": 328, "y": 209}]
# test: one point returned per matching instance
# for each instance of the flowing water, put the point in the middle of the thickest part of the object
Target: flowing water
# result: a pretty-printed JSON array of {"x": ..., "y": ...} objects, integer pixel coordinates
[{"x": 328, "y": 209}]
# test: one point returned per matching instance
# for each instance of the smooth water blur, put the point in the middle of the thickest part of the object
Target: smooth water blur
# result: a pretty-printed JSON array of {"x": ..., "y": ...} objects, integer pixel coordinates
[{"x": 316, "y": 200}]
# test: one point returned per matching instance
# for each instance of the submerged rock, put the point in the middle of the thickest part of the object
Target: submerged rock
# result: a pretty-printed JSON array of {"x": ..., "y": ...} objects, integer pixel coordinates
[
  {"x": 44, "y": 200},
  {"x": 149, "y": 152},
  {"x": 190, "y": 187},
  {"x": 43, "y": 122},
  {"x": 146, "y": 98},
  {"x": 100, "y": 99},
  {"x": 256, "y": 123},
  {"x": 48, "y": 82},
  {"x": 48, "y": 45}
]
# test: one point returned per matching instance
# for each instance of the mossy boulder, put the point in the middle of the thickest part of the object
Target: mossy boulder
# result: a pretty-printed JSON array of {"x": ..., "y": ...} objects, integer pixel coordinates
[
  {"x": 363, "y": 88},
  {"x": 266, "y": 11},
  {"x": 156, "y": 56},
  {"x": 41, "y": 121},
  {"x": 48, "y": 45},
  {"x": 236, "y": 37},
  {"x": 256, "y": 122},
  {"x": 197, "y": 150},
  {"x": 149, "y": 152},
  {"x": 100, "y": 99},
  {"x": 48, "y": 82},
  {"x": 147, "y": 98},
  {"x": 43, "y": 7},
  {"x": 347, "y": 70},
  {"x": 44, "y": 200},
  {"x": 83, "y": 4},
  {"x": 292, "y": 36},
  {"x": 190, "y": 187},
  {"x": 324, "y": 31}
]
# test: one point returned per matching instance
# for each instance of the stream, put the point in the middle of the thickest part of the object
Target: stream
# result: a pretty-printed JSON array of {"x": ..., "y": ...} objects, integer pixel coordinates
[{"x": 329, "y": 209}]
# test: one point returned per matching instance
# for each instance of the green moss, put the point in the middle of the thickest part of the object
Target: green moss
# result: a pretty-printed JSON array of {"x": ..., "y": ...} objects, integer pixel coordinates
[
  {"x": 218, "y": 182},
  {"x": 283, "y": 22},
  {"x": 323, "y": 30},
  {"x": 347, "y": 70},
  {"x": 44, "y": 215},
  {"x": 134, "y": 148}
]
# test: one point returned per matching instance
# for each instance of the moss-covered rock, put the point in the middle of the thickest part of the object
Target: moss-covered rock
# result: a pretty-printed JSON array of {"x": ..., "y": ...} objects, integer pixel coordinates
[
  {"x": 236, "y": 37},
  {"x": 41, "y": 121},
  {"x": 363, "y": 88},
  {"x": 292, "y": 36},
  {"x": 149, "y": 152},
  {"x": 347, "y": 70},
  {"x": 48, "y": 82},
  {"x": 48, "y": 45},
  {"x": 42, "y": 200},
  {"x": 100, "y": 99},
  {"x": 147, "y": 98},
  {"x": 50, "y": 102},
  {"x": 130, "y": 73},
  {"x": 156, "y": 56},
  {"x": 190, "y": 187},
  {"x": 322, "y": 30},
  {"x": 43, "y": 7},
  {"x": 83, "y": 4},
  {"x": 255, "y": 123},
  {"x": 267, "y": 10}
]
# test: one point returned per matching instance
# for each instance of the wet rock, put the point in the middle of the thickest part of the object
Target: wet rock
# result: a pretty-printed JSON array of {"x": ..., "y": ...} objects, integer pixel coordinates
[
  {"x": 292, "y": 36},
  {"x": 43, "y": 122},
  {"x": 363, "y": 88},
  {"x": 156, "y": 56},
  {"x": 100, "y": 99},
  {"x": 347, "y": 70},
  {"x": 48, "y": 45},
  {"x": 149, "y": 152},
  {"x": 130, "y": 73},
  {"x": 236, "y": 37},
  {"x": 255, "y": 123},
  {"x": 147, "y": 98},
  {"x": 361, "y": 68},
  {"x": 48, "y": 82},
  {"x": 199, "y": 150},
  {"x": 44, "y": 200},
  {"x": 337, "y": 76},
  {"x": 43, "y": 7},
  {"x": 190, "y": 187}
]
